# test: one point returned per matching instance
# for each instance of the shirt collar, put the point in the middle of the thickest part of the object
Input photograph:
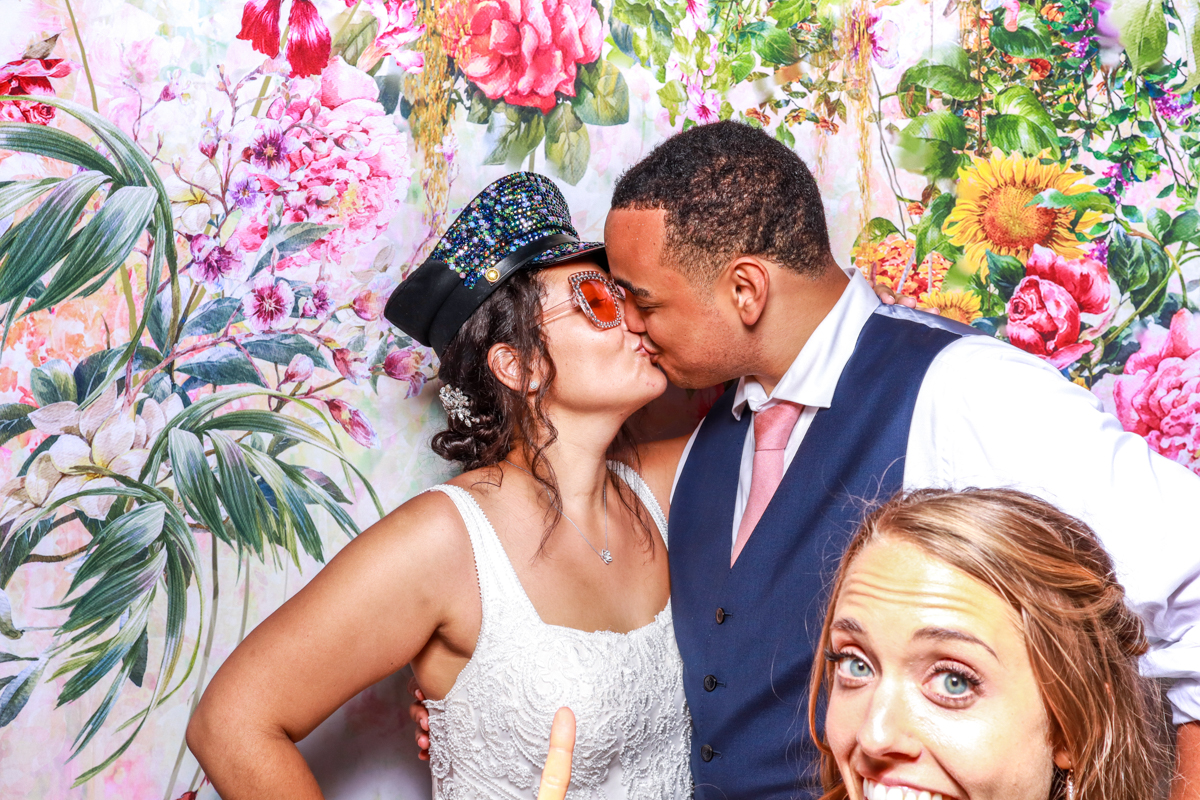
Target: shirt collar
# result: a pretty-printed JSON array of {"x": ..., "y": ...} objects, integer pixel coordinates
[{"x": 813, "y": 376}]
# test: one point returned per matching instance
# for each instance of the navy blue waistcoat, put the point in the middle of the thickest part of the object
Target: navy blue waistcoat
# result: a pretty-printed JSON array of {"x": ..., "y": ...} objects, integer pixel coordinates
[{"x": 748, "y": 634}]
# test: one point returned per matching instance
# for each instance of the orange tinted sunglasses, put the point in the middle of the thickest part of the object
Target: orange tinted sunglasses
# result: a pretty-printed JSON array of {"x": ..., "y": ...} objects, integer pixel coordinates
[{"x": 595, "y": 294}]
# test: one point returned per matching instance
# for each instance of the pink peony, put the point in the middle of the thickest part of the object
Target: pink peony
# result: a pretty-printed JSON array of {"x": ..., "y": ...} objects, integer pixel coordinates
[
  {"x": 1084, "y": 278},
  {"x": 1043, "y": 319},
  {"x": 1158, "y": 397},
  {"x": 525, "y": 52},
  {"x": 268, "y": 304},
  {"x": 353, "y": 422}
]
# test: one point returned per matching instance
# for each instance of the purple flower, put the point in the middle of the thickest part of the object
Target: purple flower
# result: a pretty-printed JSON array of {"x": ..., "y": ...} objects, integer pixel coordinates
[
  {"x": 1117, "y": 181},
  {"x": 1099, "y": 251},
  {"x": 268, "y": 304},
  {"x": 246, "y": 193},
  {"x": 270, "y": 149},
  {"x": 1172, "y": 107},
  {"x": 318, "y": 304},
  {"x": 1080, "y": 49},
  {"x": 214, "y": 265},
  {"x": 704, "y": 106}
]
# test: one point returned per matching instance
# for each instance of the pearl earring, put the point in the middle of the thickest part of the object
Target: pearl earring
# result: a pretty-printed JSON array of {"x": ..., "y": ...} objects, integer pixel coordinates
[{"x": 1070, "y": 784}]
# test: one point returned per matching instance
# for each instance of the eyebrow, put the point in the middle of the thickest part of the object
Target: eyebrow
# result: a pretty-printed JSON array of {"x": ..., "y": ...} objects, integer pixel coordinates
[
  {"x": 636, "y": 291},
  {"x": 949, "y": 634},
  {"x": 846, "y": 624}
]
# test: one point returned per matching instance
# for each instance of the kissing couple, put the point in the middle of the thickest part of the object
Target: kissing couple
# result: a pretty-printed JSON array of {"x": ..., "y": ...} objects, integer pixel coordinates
[{"x": 539, "y": 577}]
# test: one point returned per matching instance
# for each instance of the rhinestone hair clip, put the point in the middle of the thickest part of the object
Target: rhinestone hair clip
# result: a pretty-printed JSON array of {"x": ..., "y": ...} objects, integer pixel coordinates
[{"x": 457, "y": 405}]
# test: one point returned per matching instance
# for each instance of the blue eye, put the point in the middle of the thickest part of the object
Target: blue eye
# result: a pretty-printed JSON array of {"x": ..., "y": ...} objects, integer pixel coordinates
[
  {"x": 955, "y": 684},
  {"x": 854, "y": 667}
]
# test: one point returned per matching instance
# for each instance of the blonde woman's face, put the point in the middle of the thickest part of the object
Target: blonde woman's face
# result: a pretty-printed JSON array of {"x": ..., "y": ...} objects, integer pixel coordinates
[{"x": 933, "y": 694}]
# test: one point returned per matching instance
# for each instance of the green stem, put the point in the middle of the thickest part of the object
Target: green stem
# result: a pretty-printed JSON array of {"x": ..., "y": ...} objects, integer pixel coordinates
[
  {"x": 127, "y": 288},
  {"x": 1136, "y": 314},
  {"x": 208, "y": 643},
  {"x": 83, "y": 57}
]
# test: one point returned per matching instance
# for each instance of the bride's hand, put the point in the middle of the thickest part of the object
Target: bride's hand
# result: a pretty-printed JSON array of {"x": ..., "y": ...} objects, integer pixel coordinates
[
  {"x": 556, "y": 777},
  {"x": 890, "y": 298}
]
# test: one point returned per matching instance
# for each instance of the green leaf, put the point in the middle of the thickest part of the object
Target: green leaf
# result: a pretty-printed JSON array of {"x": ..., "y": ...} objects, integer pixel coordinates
[
  {"x": 1014, "y": 134},
  {"x": 1004, "y": 273},
  {"x": 38, "y": 240},
  {"x": 105, "y": 242},
  {"x": 602, "y": 96},
  {"x": 326, "y": 483},
  {"x": 944, "y": 126},
  {"x": 778, "y": 47},
  {"x": 279, "y": 348},
  {"x": 249, "y": 419},
  {"x": 98, "y": 660},
  {"x": 291, "y": 501},
  {"x": 1159, "y": 222},
  {"x": 741, "y": 65},
  {"x": 287, "y": 240},
  {"x": 1140, "y": 267},
  {"x": 877, "y": 229},
  {"x": 53, "y": 382},
  {"x": 338, "y": 513},
  {"x": 159, "y": 318},
  {"x": 16, "y": 693},
  {"x": 92, "y": 373},
  {"x": 1031, "y": 39},
  {"x": 1084, "y": 201},
  {"x": 568, "y": 146},
  {"x": 516, "y": 141},
  {"x": 116, "y": 591},
  {"x": 1184, "y": 228},
  {"x": 7, "y": 628},
  {"x": 1143, "y": 31},
  {"x": 1019, "y": 101},
  {"x": 941, "y": 78},
  {"x": 194, "y": 479},
  {"x": 354, "y": 39},
  {"x": 223, "y": 366},
  {"x": 929, "y": 157},
  {"x": 43, "y": 140},
  {"x": 212, "y": 317},
  {"x": 7, "y": 657},
  {"x": 1188, "y": 12},
  {"x": 913, "y": 97},
  {"x": 14, "y": 420},
  {"x": 15, "y": 195},
  {"x": 240, "y": 494},
  {"x": 787, "y": 13},
  {"x": 121, "y": 540}
]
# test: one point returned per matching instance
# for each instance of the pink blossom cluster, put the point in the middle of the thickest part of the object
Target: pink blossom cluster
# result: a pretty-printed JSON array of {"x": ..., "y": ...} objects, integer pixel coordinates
[
  {"x": 1044, "y": 311},
  {"x": 1158, "y": 397},
  {"x": 326, "y": 153},
  {"x": 525, "y": 52}
]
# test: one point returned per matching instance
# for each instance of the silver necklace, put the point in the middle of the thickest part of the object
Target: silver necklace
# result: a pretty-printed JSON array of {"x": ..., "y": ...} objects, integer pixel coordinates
[{"x": 604, "y": 554}]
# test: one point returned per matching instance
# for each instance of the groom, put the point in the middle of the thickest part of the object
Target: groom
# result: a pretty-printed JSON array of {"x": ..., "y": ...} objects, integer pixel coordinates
[{"x": 719, "y": 238}]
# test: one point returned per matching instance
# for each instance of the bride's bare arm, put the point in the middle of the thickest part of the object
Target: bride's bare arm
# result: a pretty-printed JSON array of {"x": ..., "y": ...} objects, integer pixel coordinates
[{"x": 374, "y": 608}]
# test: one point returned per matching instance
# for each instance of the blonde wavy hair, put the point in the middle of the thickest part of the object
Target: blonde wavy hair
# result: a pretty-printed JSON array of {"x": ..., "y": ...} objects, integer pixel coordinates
[{"x": 1082, "y": 639}]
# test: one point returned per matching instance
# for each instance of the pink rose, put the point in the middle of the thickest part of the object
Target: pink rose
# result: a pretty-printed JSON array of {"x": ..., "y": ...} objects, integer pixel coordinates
[
  {"x": 1084, "y": 278},
  {"x": 524, "y": 51},
  {"x": 1158, "y": 397},
  {"x": 1043, "y": 319}
]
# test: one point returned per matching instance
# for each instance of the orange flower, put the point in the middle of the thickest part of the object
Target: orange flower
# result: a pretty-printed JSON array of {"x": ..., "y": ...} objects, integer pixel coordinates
[
  {"x": 885, "y": 262},
  {"x": 1052, "y": 12},
  {"x": 957, "y": 305}
]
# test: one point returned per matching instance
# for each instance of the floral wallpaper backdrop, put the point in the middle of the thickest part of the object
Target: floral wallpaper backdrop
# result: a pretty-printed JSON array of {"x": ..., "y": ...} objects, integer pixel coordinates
[{"x": 204, "y": 205}]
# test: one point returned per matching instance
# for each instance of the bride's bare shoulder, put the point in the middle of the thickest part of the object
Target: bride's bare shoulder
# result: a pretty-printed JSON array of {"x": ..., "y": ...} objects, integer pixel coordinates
[{"x": 659, "y": 460}]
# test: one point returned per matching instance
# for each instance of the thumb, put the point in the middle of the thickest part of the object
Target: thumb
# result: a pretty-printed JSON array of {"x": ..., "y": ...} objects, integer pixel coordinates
[{"x": 556, "y": 777}]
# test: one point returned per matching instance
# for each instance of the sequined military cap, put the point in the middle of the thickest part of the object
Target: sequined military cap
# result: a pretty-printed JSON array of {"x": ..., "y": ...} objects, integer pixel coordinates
[{"x": 518, "y": 222}]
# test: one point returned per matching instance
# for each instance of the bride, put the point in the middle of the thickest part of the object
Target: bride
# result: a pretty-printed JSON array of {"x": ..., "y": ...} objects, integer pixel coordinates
[{"x": 535, "y": 579}]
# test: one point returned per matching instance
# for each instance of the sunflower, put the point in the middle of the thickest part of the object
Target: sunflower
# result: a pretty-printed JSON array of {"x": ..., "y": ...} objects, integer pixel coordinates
[
  {"x": 957, "y": 305},
  {"x": 991, "y": 212}
]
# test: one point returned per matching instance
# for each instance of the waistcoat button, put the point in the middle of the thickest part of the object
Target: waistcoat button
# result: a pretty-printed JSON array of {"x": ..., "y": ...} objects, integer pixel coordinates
[
  {"x": 710, "y": 682},
  {"x": 706, "y": 752},
  {"x": 720, "y": 615}
]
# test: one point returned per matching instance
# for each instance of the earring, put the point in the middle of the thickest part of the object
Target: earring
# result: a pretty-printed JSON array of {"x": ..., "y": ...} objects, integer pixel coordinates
[
  {"x": 533, "y": 386},
  {"x": 1070, "y": 784}
]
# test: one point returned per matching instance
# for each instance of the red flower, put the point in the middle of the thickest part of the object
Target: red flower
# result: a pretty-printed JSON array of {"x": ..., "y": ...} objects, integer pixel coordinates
[
  {"x": 30, "y": 76},
  {"x": 308, "y": 36},
  {"x": 1084, "y": 278},
  {"x": 353, "y": 422}
]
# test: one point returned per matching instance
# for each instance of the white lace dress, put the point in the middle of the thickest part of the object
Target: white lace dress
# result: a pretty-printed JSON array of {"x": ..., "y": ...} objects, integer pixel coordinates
[{"x": 488, "y": 737}]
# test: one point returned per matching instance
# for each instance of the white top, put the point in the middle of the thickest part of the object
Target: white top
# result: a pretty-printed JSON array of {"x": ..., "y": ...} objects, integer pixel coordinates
[
  {"x": 990, "y": 415},
  {"x": 489, "y": 736}
]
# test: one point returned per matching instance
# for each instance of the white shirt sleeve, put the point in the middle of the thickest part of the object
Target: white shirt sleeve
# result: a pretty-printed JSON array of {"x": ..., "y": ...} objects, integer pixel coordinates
[{"x": 990, "y": 415}]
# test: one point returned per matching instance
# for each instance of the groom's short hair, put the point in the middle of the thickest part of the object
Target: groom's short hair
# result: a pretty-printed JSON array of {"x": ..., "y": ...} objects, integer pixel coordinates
[{"x": 729, "y": 189}]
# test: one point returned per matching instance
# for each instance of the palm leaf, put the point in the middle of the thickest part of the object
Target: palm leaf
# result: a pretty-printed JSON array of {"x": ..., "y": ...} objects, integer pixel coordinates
[{"x": 41, "y": 140}]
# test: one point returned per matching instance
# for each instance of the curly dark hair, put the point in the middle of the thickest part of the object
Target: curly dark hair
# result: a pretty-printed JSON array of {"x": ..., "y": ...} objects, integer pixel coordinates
[
  {"x": 730, "y": 189},
  {"x": 506, "y": 419}
]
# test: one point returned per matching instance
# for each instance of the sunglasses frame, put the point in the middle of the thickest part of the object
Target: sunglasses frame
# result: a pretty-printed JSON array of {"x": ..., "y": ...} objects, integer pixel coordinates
[{"x": 578, "y": 301}]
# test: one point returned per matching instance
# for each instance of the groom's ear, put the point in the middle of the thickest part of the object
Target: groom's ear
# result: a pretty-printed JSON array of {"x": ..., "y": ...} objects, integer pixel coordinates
[{"x": 747, "y": 280}]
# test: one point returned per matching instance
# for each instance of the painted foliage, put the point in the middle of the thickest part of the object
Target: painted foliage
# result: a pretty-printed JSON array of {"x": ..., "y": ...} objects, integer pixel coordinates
[{"x": 204, "y": 205}]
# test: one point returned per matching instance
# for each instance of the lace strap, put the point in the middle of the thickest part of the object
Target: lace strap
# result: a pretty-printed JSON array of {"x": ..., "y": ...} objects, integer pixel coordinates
[
  {"x": 642, "y": 490},
  {"x": 498, "y": 583}
]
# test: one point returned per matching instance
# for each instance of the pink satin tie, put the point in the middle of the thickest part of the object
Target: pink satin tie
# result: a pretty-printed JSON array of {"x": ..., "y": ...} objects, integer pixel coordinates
[{"x": 772, "y": 429}]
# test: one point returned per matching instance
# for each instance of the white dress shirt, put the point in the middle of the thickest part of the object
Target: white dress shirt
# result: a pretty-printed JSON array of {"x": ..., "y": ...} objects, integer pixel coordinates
[{"x": 991, "y": 415}]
